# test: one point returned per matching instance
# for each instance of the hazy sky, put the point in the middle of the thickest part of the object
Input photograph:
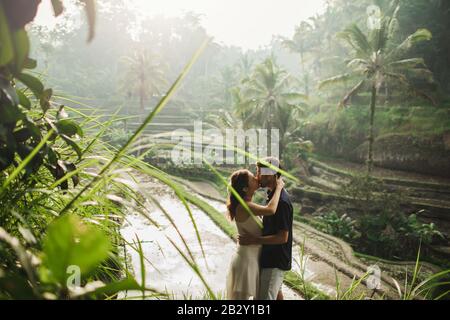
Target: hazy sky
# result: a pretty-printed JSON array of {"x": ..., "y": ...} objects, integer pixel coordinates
[{"x": 245, "y": 23}]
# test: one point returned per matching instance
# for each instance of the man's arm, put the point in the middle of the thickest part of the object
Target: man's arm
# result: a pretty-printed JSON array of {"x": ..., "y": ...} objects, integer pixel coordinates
[{"x": 280, "y": 238}]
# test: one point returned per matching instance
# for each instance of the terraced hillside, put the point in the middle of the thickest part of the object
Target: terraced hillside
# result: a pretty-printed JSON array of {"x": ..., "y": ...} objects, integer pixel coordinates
[{"x": 426, "y": 196}]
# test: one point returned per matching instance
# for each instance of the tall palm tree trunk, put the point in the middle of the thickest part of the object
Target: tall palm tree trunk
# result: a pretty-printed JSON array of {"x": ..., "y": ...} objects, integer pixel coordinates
[
  {"x": 371, "y": 129},
  {"x": 141, "y": 111},
  {"x": 141, "y": 104},
  {"x": 269, "y": 139},
  {"x": 281, "y": 148},
  {"x": 305, "y": 77},
  {"x": 142, "y": 93}
]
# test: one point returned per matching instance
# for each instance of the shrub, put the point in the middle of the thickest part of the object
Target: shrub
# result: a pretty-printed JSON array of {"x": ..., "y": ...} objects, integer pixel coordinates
[
  {"x": 385, "y": 229},
  {"x": 340, "y": 226},
  {"x": 117, "y": 137}
]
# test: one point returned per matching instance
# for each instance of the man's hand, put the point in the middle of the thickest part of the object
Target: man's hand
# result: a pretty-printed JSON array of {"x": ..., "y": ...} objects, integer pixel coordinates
[{"x": 247, "y": 240}]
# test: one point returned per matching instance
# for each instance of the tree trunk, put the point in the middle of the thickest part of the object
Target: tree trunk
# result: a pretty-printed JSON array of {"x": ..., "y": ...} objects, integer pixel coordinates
[
  {"x": 305, "y": 76},
  {"x": 387, "y": 94},
  {"x": 306, "y": 79},
  {"x": 141, "y": 112},
  {"x": 141, "y": 103},
  {"x": 371, "y": 129},
  {"x": 269, "y": 139},
  {"x": 281, "y": 149}
]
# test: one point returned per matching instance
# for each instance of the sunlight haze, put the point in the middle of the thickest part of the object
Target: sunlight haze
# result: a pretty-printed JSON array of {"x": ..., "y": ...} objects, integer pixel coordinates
[{"x": 249, "y": 24}]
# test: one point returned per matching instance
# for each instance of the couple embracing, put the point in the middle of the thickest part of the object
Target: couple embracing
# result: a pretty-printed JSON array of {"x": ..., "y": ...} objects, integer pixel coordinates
[{"x": 263, "y": 255}]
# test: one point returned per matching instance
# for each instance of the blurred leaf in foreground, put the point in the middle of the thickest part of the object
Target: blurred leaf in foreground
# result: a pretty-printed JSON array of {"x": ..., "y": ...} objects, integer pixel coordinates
[{"x": 70, "y": 242}]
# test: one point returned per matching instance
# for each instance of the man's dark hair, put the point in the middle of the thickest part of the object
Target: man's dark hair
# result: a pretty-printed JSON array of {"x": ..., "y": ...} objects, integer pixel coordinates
[{"x": 262, "y": 165}]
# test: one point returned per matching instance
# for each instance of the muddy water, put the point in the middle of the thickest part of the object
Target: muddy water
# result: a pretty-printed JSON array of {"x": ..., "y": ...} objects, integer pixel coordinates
[{"x": 165, "y": 269}]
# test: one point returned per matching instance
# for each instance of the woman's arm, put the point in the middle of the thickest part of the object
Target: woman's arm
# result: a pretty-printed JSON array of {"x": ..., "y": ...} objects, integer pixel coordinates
[
  {"x": 281, "y": 237},
  {"x": 271, "y": 207}
]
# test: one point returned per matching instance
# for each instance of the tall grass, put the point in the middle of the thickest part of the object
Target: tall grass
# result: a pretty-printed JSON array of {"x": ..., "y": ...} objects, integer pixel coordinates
[
  {"x": 30, "y": 205},
  {"x": 298, "y": 281},
  {"x": 425, "y": 289}
]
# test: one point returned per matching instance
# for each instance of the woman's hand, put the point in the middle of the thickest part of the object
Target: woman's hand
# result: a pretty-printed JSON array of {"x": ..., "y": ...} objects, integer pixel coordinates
[{"x": 280, "y": 183}]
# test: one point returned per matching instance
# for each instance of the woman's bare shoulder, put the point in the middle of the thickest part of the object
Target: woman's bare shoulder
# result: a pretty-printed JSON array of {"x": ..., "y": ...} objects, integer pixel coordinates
[{"x": 241, "y": 214}]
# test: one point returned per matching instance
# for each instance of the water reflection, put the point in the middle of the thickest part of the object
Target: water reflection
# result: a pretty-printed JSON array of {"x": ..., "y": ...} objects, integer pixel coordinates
[{"x": 166, "y": 270}]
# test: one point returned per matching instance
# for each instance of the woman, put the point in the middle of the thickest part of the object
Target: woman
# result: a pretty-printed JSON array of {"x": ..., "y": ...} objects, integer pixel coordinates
[{"x": 243, "y": 275}]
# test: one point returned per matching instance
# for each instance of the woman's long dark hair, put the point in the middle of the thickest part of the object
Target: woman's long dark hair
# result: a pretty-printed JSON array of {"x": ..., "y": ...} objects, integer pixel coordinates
[{"x": 239, "y": 181}]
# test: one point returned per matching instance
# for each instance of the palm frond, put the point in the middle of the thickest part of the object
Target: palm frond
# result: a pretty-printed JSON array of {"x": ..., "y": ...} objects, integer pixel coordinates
[
  {"x": 357, "y": 40},
  {"x": 294, "y": 98},
  {"x": 244, "y": 107},
  {"x": 351, "y": 93},
  {"x": 340, "y": 79},
  {"x": 379, "y": 37},
  {"x": 356, "y": 63},
  {"x": 407, "y": 63},
  {"x": 393, "y": 24},
  {"x": 420, "y": 74},
  {"x": 284, "y": 82},
  {"x": 415, "y": 38},
  {"x": 403, "y": 80}
]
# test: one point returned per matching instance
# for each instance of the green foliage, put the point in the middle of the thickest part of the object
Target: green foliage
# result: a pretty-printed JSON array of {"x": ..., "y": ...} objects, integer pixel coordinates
[
  {"x": 420, "y": 232},
  {"x": 268, "y": 98},
  {"x": 342, "y": 226},
  {"x": 434, "y": 286},
  {"x": 23, "y": 127},
  {"x": 117, "y": 137},
  {"x": 42, "y": 234},
  {"x": 339, "y": 133},
  {"x": 144, "y": 76},
  {"x": 308, "y": 291},
  {"x": 69, "y": 242},
  {"x": 434, "y": 16},
  {"x": 302, "y": 43},
  {"x": 386, "y": 231},
  {"x": 378, "y": 61}
]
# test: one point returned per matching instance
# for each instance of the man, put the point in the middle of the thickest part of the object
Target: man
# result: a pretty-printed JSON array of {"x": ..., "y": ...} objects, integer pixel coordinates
[{"x": 276, "y": 255}]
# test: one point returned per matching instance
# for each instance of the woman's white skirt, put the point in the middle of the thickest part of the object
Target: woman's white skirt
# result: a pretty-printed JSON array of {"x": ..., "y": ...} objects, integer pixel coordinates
[{"x": 243, "y": 274}]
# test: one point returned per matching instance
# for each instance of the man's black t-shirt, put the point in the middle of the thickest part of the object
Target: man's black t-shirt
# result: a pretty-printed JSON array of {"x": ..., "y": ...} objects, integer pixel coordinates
[{"x": 278, "y": 256}]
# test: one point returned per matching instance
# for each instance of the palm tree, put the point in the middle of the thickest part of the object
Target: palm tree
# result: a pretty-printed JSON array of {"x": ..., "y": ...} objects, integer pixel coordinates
[
  {"x": 227, "y": 81},
  {"x": 223, "y": 119},
  {"x": 269, "y": 99},
  {"x": 377, "y": 60},
  {"x": 144, "y": 76},
  {"x": 301, "y": 44},
  {"x": 245, "y": 66}
]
